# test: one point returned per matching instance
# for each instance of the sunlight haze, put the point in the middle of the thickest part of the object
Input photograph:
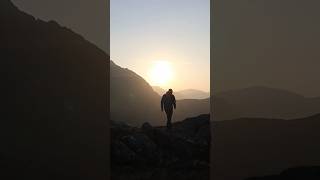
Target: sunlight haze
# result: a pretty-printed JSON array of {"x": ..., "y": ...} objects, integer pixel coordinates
[{"x": 164, "y": 41}]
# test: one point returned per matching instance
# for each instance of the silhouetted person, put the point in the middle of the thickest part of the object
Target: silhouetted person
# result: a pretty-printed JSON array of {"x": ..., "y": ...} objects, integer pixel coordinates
[{"x": 168, "y": 102}]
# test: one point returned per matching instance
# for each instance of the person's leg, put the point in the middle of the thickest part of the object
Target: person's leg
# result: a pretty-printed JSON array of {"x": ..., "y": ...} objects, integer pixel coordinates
[{"x": 169, "y": 117}]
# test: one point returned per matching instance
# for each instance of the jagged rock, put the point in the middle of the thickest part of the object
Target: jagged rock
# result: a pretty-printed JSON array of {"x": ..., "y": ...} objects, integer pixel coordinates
[
  {"x": 142, "y": 145},
  {"x": 156, "y": 153},
  {"x": 121, "y": 153},
  {"x": 146, "y": 126}
]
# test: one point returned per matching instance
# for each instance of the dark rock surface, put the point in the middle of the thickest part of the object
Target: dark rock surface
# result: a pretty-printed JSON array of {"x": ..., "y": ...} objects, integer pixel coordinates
[
  {"x": 156, "y": 153},
  {"x": 298, "y": 173}
]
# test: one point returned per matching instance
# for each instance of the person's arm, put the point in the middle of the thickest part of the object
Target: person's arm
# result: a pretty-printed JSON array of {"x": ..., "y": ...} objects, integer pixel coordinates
[
  {"x": 162, "y": 99},
  {"x": 174, "y": 102}
]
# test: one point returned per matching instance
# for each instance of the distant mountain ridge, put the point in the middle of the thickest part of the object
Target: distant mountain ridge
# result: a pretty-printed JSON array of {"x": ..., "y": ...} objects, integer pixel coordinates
[
  {"x": 184, "y": 94},
  {"x": 263, "y": 102},
  {"x": 193, "y": 94}
]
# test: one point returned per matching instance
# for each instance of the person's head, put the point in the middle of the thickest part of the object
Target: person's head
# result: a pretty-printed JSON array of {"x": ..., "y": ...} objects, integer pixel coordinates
[{"x": 170, "y": 91}]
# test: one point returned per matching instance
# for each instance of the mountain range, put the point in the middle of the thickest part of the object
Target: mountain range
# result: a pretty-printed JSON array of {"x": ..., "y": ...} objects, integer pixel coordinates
[
  {"x": 184, "y": 94},
  {"x": 133, "y": 100},
  {"x": 130, "y": 93},
  {"x": 256, "y": 101},
  {"x": 263, "y": 102}
]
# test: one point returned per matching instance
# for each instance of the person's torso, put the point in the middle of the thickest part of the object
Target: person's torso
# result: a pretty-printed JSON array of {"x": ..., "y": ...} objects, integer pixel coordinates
[{"x": 168, "y": 100}]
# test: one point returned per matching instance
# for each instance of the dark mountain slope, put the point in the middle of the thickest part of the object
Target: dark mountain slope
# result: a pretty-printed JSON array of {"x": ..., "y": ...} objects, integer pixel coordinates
[
  {"x": 160, "y": 90},
  {"x": 53, "y": 100},
  {"x": 87, "y": 18},
  {"x": 132, "y": 99}
]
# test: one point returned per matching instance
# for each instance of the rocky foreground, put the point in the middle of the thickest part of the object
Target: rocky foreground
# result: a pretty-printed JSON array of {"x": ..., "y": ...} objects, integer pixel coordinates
[{"x": 156, "y": 153}]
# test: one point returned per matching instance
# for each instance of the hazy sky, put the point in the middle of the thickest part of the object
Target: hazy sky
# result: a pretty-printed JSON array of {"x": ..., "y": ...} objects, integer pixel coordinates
[
  {"x": 144, "y": 32},
  {"x": 267, "y": 43}
]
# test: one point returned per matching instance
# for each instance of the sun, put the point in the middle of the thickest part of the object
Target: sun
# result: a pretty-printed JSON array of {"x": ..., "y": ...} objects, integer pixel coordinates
[{"x": 160, "y": 73}]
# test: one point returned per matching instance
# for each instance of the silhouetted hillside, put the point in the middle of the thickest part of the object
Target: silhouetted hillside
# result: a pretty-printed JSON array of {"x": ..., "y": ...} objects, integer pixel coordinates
[
  {"x": 87, "y": 18},
  {"x": 263, "y": 102},
  {"x": 159, "y": 90},
  {"x": 132, "y": 99},
  {"x": 53, "y": 100},
  {"x": 155, "y": 153},
  {"x": 252, "y": 147}
]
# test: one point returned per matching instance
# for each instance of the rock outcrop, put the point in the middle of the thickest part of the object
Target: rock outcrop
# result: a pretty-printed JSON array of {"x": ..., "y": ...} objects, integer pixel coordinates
[{"x": 156, "y": 153}]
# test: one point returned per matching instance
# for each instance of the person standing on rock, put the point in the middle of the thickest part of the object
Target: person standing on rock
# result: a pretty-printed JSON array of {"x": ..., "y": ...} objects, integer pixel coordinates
[{"x": 168, "y": 102}]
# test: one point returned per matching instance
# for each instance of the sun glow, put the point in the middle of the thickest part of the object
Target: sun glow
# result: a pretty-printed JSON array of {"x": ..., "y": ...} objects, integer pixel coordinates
[{"x": 161, "y": 73}]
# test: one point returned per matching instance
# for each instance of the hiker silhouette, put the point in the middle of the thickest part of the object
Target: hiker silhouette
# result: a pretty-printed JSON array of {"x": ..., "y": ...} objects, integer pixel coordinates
[{"x": 168, "y": 102}]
